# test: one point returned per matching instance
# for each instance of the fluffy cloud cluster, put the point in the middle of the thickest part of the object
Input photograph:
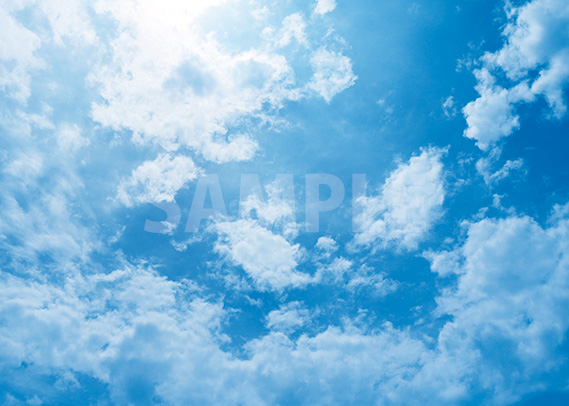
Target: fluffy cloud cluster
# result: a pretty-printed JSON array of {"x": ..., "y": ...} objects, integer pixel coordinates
[
  {"x": 492, "y": 116},
  {"x": 268, "y": 258},
  {"x": 511, "y": 296},
  {"x": 149, "y": 340},
  {"x": 325, "y": 6},
  {"x": 105, "y": 326},
  {"x": 78, "y": 329},
  {"x": 535, "y": 59},
  {"x": 175, "y": 84},
  {"x": 262, "y": 244},
  {"x": 409, "y": 203},
  {"x": 332, "y": 73},
  {"x": 164, "y": 75},
  {"x": 261, "y": 241},
  {"x": 288, "y": 317},
  {"x": 157, "y": 181}
]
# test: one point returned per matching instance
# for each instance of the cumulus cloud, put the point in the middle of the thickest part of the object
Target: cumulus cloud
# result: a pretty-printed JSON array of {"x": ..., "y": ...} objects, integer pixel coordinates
[
  {"x": 332, "y": 73},
  {"x": 158, "y": 180},
  {"x": 334, "y": 271},
  {"x": 319, "y": 369},
  {"x": 72, "y": 327},
  {"x": 324, "y": 6},
  {"x": 327, "y": 245},
  {"x": 261, "y": 241},
  {"x": 409, "y": 203},
  {"x": 492, "y": 116},
  {"x": 277, "y": 211},
  {"x": 132, "y": 325},
  {"x": 164, "y": 77},
  {"x": 172, "y": 83},
  {"x": 267, "y": 258},
  {"x": 133, "y": 328},
  {"x": 535, "y": 57},
  {"x": 511, "y": 293},
  {"x": 106, "y": 326},
  {"x": 288, "y": 317},
  {"x": 372, "y": 283}
]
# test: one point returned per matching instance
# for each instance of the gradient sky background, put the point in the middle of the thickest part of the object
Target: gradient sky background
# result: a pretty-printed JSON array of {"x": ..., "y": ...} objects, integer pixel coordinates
[{"x": 455, "y": 290}]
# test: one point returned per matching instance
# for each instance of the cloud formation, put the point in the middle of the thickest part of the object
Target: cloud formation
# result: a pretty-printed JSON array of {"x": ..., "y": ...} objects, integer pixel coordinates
[
  {"x": 158, "y": 180},
  {"x": 332, "y": 73},
  {"x": 535, "y": 58},
  {"x": 408, "y": 205},
  {"x": 324, "y": 6}
]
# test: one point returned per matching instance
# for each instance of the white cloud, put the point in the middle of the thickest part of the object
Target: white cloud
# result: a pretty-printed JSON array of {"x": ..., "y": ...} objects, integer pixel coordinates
[
  {"x": 17, "y": 57},
  {"x": 261, "y": 13},
  {"x": 330, "y": 368},
  {"x": 26, "y": 166},
  {"x": 370, "y": 280},
  {"x": 132, "y": 328},
  {"x": 409, "y": 204},
  {"x": 157, "y": 181},
  {"x": 333, "y": 272},
  {"x": 41, "y": 196},
  {"x": 327, "y": 245},
  {"x": 70, "y": 139},
  {"x": 132, "y": 325},
  {"x": 511, "y": 295},
  {"x": 449, "y": 107},
  {"x": 332, "y": 73},
  {"x": 536, "y": 57},
  {"x": 173, "y": 83},
  {"x": 277, "y": 212},
  {"x": 491, "y": 176},
  {"x": 288, "y": 317},
  {"x": 238, "y": 148},
  {"x": 45, "y": 227},
  {"x": 294, "y": 27},
  {"x": 69, "y": 21},
  {"x": 114, "y": 327},
  {"x": 267, "y": 258},
  {"x": 262, "y": 244},
  {"x": 324, "y": 6},
  {"x": 492, "y": 116}
]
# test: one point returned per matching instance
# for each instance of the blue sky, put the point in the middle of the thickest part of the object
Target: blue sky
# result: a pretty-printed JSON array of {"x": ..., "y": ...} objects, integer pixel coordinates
[{"x": 452, "y": 290}]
